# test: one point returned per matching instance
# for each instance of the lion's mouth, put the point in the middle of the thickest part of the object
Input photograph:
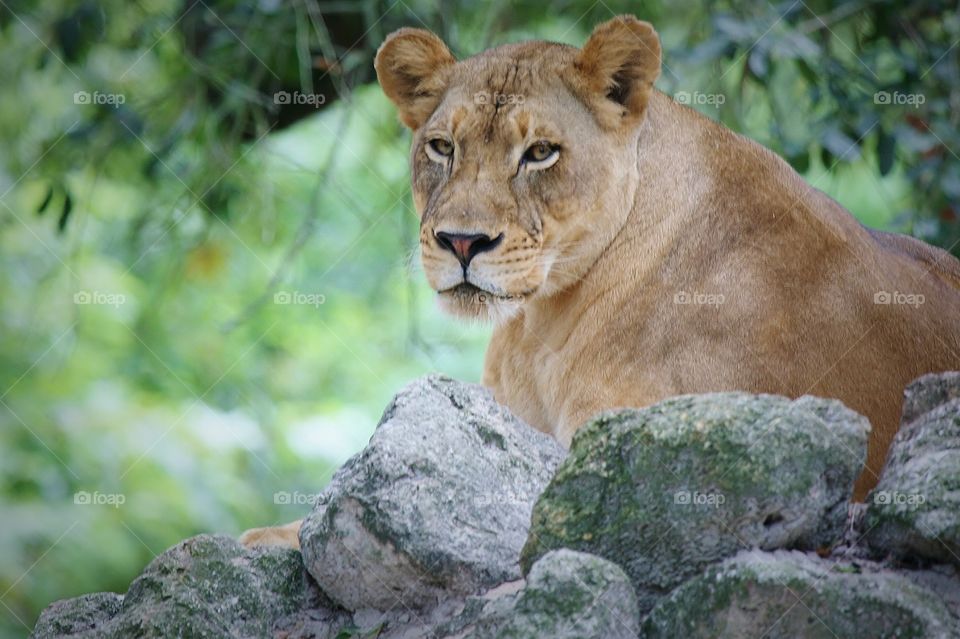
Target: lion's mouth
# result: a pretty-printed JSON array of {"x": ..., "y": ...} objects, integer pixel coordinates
[{"x": 466, "y": 291}]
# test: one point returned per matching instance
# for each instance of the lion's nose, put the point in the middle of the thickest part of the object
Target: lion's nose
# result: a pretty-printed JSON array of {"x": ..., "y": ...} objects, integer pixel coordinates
[{"x": 466, "y": 247}]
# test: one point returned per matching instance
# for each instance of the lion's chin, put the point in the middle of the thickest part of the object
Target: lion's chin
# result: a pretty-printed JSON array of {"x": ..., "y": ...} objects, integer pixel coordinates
[{"x": 466, "y": 301}]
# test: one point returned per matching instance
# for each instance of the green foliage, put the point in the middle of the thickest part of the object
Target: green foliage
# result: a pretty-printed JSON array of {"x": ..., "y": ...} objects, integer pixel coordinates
[
  {"x": 210, "y": 293},
  {"x": 855, "y": 85}
]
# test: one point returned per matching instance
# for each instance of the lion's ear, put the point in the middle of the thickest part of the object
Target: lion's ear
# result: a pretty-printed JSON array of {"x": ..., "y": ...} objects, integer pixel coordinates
[
  {"x": 617, "y": 68},
  {"x": 409, "y": 67}
]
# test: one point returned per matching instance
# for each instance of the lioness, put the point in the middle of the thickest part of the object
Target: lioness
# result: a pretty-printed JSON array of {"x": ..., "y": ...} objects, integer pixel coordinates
[{"x": 630, "y": 249}]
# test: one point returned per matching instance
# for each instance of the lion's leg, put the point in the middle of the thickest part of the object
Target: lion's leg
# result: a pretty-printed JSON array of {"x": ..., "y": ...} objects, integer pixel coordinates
[
  {"x": 287, "y": 536},
  {"x": 884, "y": 423}
]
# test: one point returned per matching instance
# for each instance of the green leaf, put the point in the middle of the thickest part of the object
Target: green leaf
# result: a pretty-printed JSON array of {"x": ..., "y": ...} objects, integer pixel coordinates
[
  {"x": 840, "y": 145},
  {"x": 795, "y": 45},
  {"x": 800, "y": 161},
  {"x": 886, "y": 145},
  {"x": 807, "y": 72},
  {"x": 708, "y": 50},
  {"x": 46, "y": 201},
  {"x": 915, "y": 141},
  {"x": 950, "y": 183},
  {"x": 65, "y": 213},
  {"x": 738, "y": 30},
  {"x": 758, "y": 63}
]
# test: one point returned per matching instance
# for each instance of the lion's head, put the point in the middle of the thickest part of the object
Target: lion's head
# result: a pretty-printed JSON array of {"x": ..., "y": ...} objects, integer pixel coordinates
[{"x": 524, "y": 157}]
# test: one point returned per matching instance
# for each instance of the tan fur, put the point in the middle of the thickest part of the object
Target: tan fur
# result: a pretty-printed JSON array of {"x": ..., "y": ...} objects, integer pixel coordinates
[
  {"x": 287, "y": 536},
  {"x": 651, "y": 204}
]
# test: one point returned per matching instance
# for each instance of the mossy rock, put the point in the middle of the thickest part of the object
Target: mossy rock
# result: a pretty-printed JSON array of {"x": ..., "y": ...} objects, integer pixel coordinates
[
  {"x": 800, "y": 596},
  {"x": 207, "y": 586},
  {"x": 914, "y": 512},
  {"x": 667, "y": 490},
  {"x": 568, "y": 595}
]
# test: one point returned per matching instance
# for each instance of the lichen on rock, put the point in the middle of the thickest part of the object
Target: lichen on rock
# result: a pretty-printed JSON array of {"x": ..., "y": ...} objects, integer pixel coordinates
[
  {"x": 915, "y": 509},
  {"x": 438, "y": 503},
  {"x": 568, "y": 594},
  {"x": 667, "y": 490},
  {"x": 205, "y": 586},
  {"x": 792, "y": 594}
]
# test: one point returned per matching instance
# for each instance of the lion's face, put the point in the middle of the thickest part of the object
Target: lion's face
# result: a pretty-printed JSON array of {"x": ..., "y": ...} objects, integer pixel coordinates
[
  {"x": 523, "y": 159},
  {"x": 500, "y": 178}
]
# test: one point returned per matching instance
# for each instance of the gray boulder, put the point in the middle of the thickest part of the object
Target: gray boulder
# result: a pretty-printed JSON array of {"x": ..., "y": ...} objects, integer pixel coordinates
[
  {"x": 437, "y": 505},
  {"x": 928, "y": 392},
  {"x": 568, "y": 595},
  {"x": 81, "y": 616},
  {"x": 670, "y": 489},
  {"x": 206, "y": 586},
  {"x": 792, "y": 594},
  {"x": 915, "y": 508}
]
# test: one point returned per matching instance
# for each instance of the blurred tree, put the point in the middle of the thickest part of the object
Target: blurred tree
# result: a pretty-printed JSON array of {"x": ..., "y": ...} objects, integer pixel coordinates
[{"x": 204, "y": 78}]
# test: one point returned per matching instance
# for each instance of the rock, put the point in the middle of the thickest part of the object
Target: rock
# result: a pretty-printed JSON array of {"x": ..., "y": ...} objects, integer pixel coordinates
[
  {"x": 453, "y": 617},
  {"x": 792, "y": 594},
  {"x": 672, "y": 521},
  {"x": 915, "y": 508},
  {"x": 927, "y": 392},
  {"x": 206, "y": 586},
  {"x": 568, "y": 595},
  {"x": 670, "y": 489},
  {"x": 78, "y": 617},
  {"x": 437, "y": 505},
  {"x": 943, "y": 580}
]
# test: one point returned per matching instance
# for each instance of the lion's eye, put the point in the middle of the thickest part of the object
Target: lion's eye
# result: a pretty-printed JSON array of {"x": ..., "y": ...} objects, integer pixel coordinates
[
  {"x": 541, "y": 155},
  {"x": 439, "y": 150}
]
